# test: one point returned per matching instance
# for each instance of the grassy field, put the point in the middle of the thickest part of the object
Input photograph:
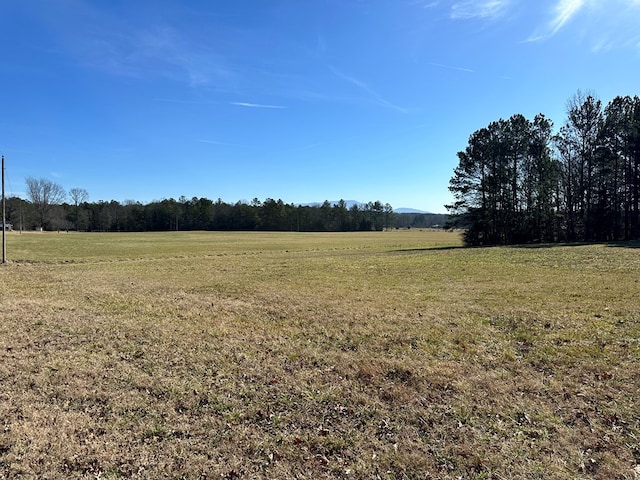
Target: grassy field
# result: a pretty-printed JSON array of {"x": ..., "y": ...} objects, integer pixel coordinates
[{"x": 285, "y": 355}]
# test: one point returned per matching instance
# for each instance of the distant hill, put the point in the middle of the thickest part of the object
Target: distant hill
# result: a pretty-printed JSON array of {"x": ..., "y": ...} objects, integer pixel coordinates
[{"x": 408, "y": 210}]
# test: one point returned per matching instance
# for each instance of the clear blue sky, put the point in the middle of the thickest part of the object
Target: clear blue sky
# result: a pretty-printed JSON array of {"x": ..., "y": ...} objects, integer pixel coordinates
[{"x": 303, "y": 100}]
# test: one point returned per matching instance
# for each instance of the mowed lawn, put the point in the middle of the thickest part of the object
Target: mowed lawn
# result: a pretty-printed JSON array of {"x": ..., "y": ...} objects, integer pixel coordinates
[{"x": 298, "y": 355}]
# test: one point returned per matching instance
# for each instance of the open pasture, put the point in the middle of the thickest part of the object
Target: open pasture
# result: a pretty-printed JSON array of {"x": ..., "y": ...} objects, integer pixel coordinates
[{"x": 286, "y": 355}]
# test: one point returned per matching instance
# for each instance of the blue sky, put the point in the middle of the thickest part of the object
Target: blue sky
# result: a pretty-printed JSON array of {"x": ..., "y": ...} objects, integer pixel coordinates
[{"x": 303, "y": 100}]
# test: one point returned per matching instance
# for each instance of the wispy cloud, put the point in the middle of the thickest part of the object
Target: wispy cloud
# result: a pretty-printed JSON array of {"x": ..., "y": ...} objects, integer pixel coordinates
[
  {"x": 452, "y": 67},
  {"x": 255, "y": 105},
  {"x": 534, "y": 38},
  {"x": 425, "y": 3},
  {"x": 606, "y": 25},
  {"x": 486, "y": 9},
  {"x": 561, "y": 13},
  {"x": 565, "y": 10},
  {"x": 214, "y": 142},
  {"x": 377, "y": 98},
  {"x": 310, "y": 146},
  {"x": 156, "y": 50},
  {"x": 185, "y": 102},
  {"x": 132, "y": 46}
]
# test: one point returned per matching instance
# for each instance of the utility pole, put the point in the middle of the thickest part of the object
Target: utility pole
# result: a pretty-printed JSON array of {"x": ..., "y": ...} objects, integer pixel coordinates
[{"x": 4, "y": 222}]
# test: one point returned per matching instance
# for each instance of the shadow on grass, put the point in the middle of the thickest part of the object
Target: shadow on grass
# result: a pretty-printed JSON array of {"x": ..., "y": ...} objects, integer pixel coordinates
[
  {"x": 617, "y": 244},
  {"x": 430, "y": 249},
  {"x": 625, "y": 244},
  {"x": 551, "y": 245},
  {"x": 474, "y": 247}
]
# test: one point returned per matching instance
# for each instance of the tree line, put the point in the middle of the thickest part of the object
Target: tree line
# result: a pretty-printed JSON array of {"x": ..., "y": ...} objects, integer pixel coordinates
[
  {"x": 48, "y": 208},
  {"x": 518, "y": 182}
]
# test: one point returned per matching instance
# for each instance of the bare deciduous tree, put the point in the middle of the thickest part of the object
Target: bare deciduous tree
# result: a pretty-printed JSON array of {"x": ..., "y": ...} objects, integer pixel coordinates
[
  {"x": 44, "y": 195},
  {"x": 78, "y": 197}
]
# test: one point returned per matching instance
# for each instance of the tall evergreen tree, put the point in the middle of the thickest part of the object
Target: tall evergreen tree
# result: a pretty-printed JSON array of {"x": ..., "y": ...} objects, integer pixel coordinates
[
  {"x": 577, "y": 143},
  {"x": 511, "y": 186},
  {"x": 503, "y": 184}
]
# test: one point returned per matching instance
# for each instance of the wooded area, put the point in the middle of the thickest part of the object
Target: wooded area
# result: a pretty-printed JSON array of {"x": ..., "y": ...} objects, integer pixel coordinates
[
  {"x": 517, "y": 182},
  {"x": 193, "y": 214}
]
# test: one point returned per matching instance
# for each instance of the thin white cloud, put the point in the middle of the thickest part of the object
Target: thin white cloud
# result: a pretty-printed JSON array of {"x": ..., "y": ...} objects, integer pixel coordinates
[
  {"x": 486, "y": 9},
  {"x": 368, "y": 90},
  {"x": 452, "y": 67},
  {"x": 561, "y": 13},
  {"x": 163, "y": 50},
  {"x": 255, "y": 105},
  {"x": 616, "y": 26},
  {"x": 214, "y": 142},
  {"x": 534, "y": 38},
  {"x": 565, "y": 10},
  {"x": 133, "y": 47},
  {"x": 605, "y": 25},
  {"x": 350, "y": 79},
  {"x": 311, "y": 145},
  {"x": 184, "y": 102},
  {"x": 602, "y": 45},
  {"x": 425, "y": 3}
]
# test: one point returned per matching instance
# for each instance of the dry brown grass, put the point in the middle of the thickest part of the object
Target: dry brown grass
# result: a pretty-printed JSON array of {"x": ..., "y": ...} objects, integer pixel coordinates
[{"x": 388, "y": 355}]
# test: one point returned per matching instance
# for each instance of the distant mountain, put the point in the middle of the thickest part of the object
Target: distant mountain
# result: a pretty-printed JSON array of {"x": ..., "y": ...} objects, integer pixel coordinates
[{"x": 408, "y": 210}]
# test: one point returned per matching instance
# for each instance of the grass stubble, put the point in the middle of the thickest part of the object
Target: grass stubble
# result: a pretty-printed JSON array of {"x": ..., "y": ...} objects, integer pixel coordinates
[{"x": 379, "y": 355}]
